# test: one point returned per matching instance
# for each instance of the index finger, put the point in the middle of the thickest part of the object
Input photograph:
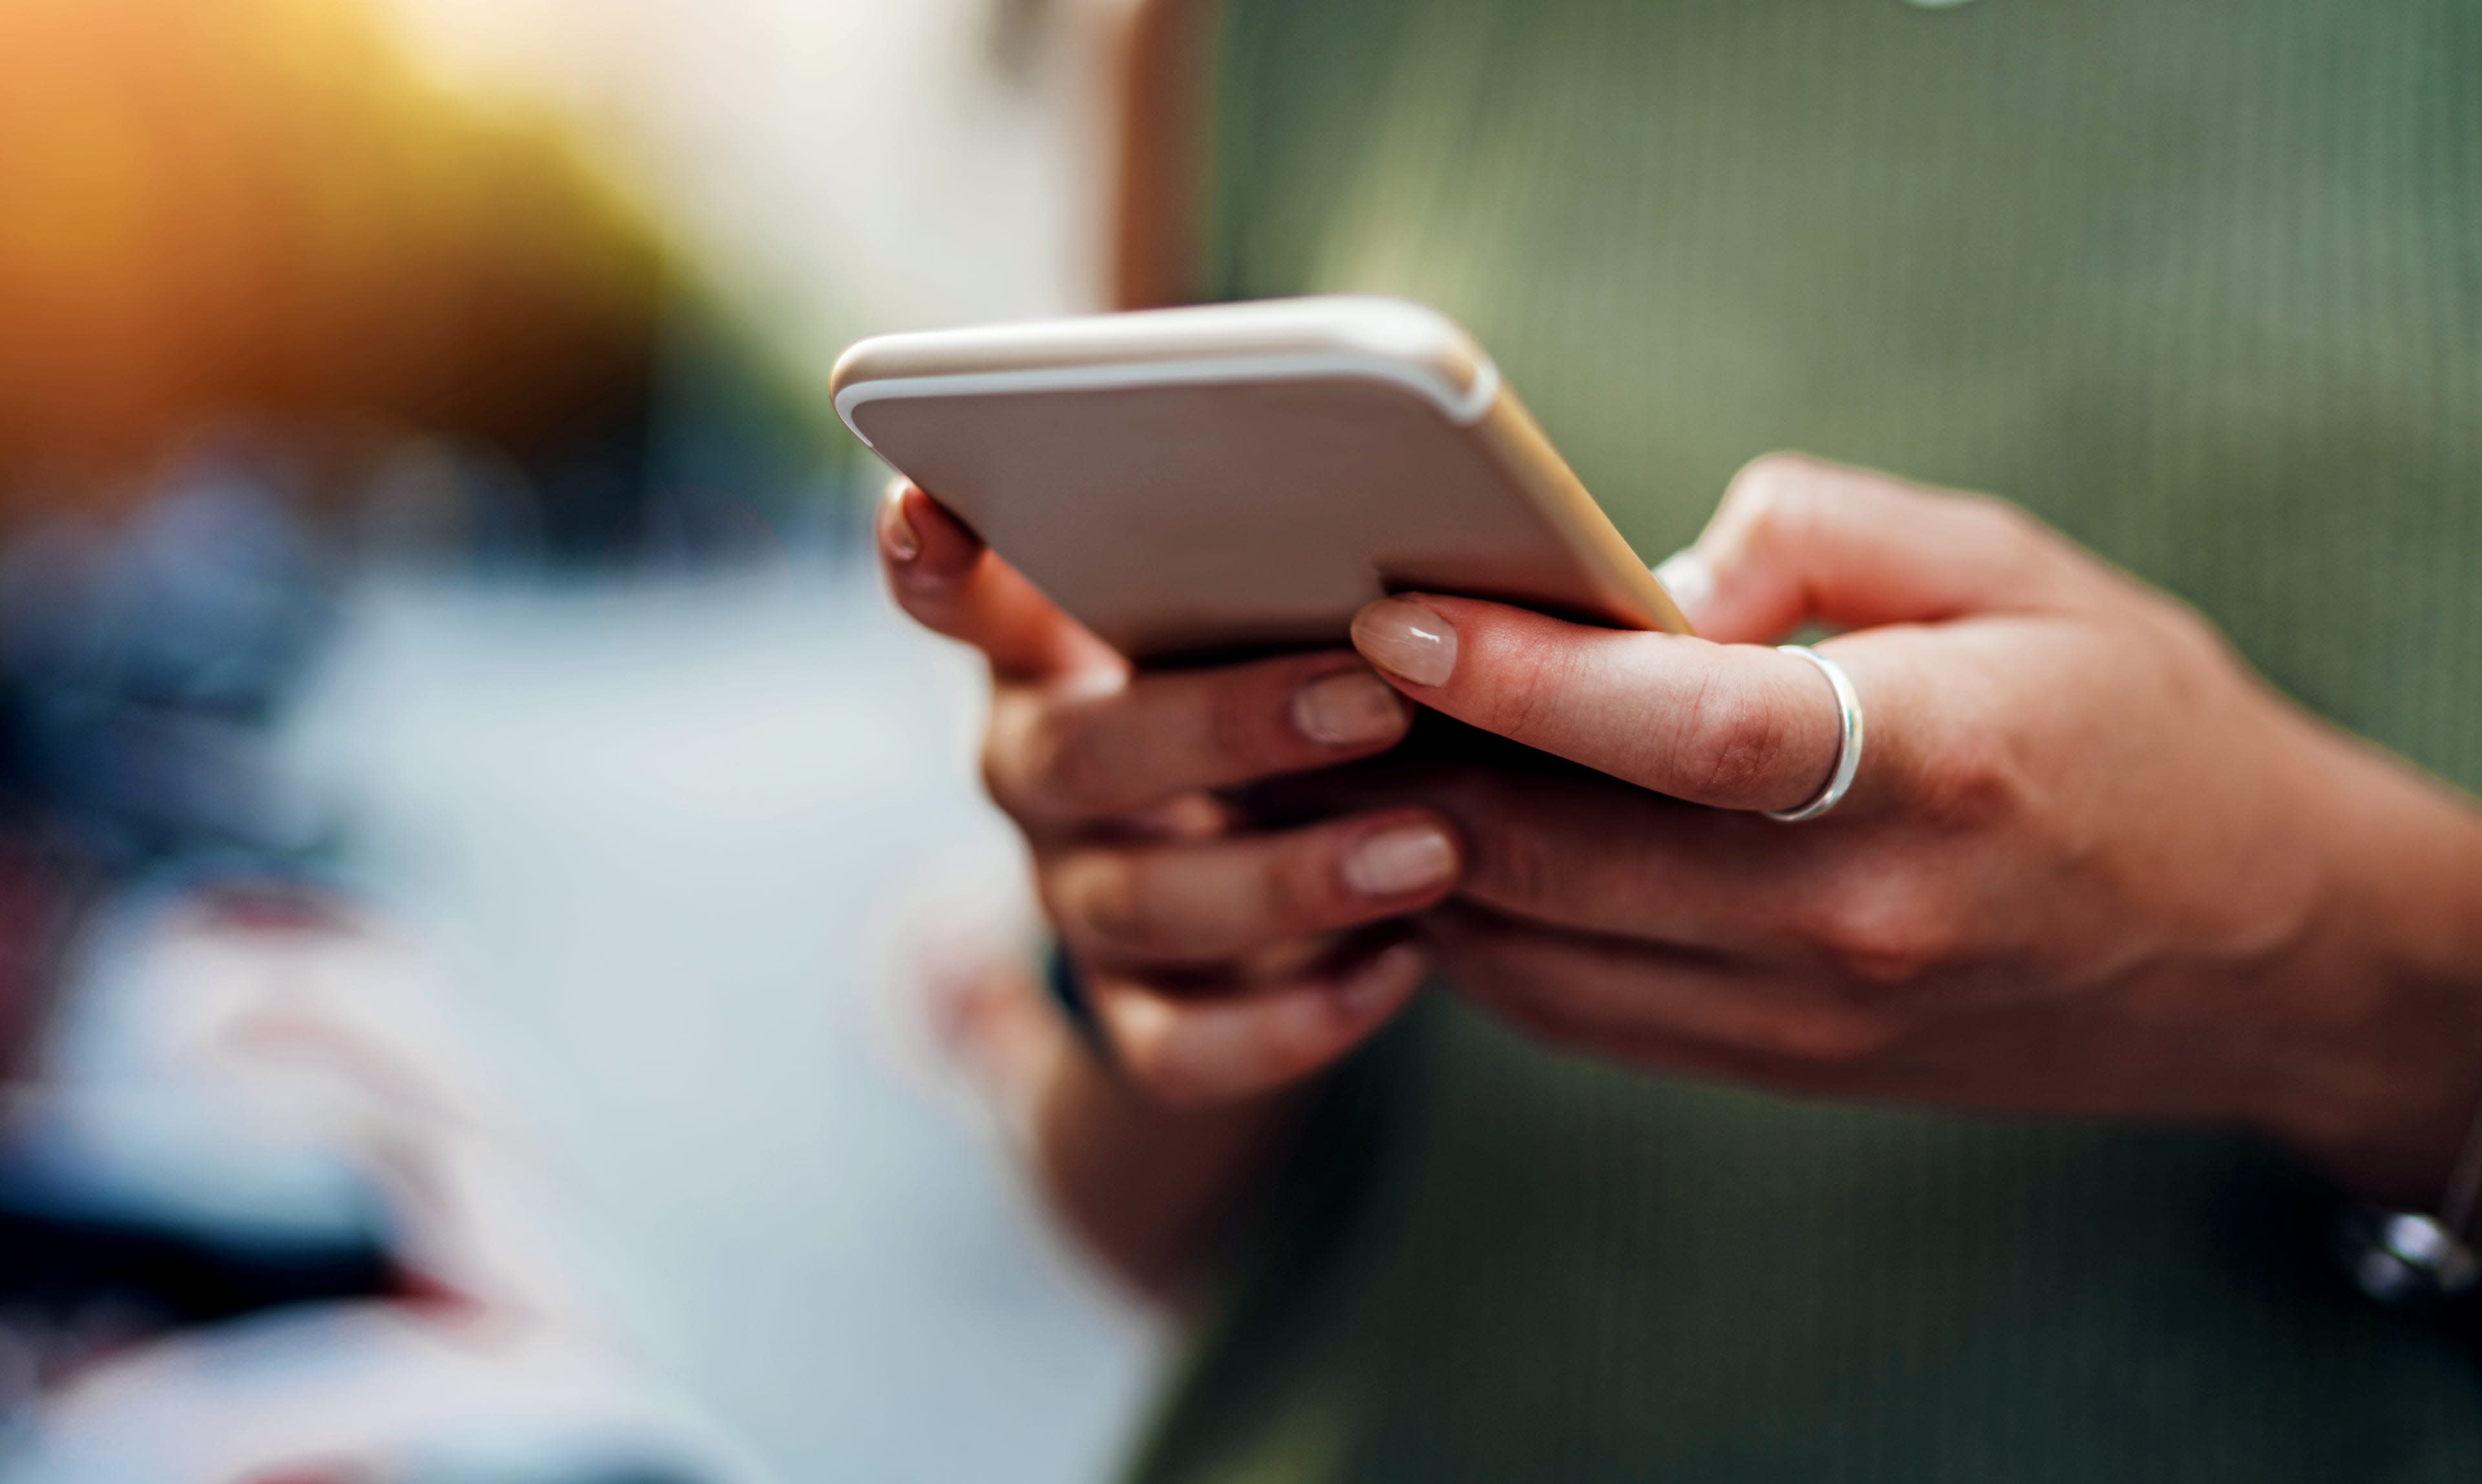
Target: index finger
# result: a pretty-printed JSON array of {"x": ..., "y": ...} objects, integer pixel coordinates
[
  {"x": 1737, "y": 726},
  {"x": 942, "y": 575}
]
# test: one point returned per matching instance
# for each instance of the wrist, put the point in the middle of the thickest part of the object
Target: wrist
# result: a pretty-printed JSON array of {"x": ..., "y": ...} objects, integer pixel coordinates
[
  {"x": 2394, "y": 978},
  {"x": 1150, "y": 1192}
]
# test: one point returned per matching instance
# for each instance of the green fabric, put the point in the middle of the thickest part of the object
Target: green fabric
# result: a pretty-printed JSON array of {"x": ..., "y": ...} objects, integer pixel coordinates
[{"x": 2200, "y": 281}]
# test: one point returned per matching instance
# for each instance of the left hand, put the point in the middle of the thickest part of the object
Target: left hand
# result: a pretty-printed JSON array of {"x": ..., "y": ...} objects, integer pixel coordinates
[{"x": 2090, "y": 864}]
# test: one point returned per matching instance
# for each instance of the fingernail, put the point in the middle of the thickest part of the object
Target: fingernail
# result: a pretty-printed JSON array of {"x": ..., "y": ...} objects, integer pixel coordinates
[
  {"x": 1399, "y": 862},
  {"x": 1688, "y": 577},
  {"x": 1407, "y": 640},
  {"x": 1349, "y": 707},
  {"x": 1378, "y": 985},
  {"x": 904, "y": 544}
]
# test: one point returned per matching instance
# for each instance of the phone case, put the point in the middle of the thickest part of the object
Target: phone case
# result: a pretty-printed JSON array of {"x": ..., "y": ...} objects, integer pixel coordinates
[{"x": 1240, "y": 477}]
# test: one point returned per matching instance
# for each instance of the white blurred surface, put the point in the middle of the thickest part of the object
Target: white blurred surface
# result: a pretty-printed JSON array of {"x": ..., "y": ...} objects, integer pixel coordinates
[
  {"x": 836, "y": 167},
  {"x": 662, "y": 833},
  {"x": 277, "y": 1396}
]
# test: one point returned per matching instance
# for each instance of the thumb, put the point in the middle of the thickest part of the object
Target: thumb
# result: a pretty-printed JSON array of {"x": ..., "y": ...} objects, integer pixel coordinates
[{"x": 1800, "y": 541}]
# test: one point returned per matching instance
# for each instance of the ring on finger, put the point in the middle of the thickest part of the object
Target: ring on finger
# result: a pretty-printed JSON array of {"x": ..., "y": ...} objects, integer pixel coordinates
[{"x": 1848, "y": 742}]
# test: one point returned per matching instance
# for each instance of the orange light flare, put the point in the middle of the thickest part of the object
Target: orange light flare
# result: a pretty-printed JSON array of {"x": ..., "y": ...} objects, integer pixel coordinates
[{"x": 212, "y": 209}]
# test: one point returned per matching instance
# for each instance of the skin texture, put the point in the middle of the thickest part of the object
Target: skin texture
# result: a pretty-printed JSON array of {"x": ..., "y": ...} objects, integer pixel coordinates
[{"x": 2090, "y": 864}]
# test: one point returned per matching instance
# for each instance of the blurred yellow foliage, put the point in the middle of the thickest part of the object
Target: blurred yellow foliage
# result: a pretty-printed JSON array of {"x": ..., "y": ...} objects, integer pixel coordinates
[{"x": 212, "y": 208}]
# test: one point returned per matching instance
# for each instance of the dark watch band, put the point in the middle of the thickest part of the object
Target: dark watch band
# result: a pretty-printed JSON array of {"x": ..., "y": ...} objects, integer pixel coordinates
[
  {"x": 2406, "y": 1257},
  {"x": 1064, "y": 983},
  {"x": 2414, "y": 1258}
]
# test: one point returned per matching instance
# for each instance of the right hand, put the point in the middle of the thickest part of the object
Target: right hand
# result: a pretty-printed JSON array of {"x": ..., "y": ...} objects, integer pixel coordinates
[{"x": 1221, "y": 964}]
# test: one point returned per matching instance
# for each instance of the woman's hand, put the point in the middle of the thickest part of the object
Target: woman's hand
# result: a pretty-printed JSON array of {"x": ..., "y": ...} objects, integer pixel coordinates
[
  {"x": 1224, "y": 968},
  {"x": 1220, "y": 964},
  {"x": 2090, "y": 864}
]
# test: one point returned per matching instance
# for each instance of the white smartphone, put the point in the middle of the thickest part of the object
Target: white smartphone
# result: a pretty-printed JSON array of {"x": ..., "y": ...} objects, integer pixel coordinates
[{"x": 1242, "y": 478}]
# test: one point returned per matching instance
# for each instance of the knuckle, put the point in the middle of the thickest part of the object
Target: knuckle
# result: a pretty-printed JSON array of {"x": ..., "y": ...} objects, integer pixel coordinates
[
  {"x": 1145, "y": 1048},
  {"x": 1734, "y": 744},
  {"x": 1184, "y": 1055},
  {"x": 1002, "y": 759},
  {"x": 1887, "y": 935},
  {"x": 1005, "y": 776},
  {"x": 1783, "y": 500},
  {"x": 1762, "y": 483},
  {"x": 1966, "y": 780},
  {"x": 1776, "y": 495},
  {"x": 1107, "y": 896},
  {"x": 1042, "y": 758}
]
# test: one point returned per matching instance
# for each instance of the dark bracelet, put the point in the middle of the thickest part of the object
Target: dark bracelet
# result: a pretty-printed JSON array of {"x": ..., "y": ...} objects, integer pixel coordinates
[{"x": 1064, "y": 983}]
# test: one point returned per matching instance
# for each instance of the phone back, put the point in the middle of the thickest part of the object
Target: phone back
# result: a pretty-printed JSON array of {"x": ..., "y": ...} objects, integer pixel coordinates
[{"x": 1242, "y": 478}]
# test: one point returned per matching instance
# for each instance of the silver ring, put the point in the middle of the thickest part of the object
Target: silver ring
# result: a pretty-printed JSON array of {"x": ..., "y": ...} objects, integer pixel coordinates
[{"x": 1848, "y": 745}]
